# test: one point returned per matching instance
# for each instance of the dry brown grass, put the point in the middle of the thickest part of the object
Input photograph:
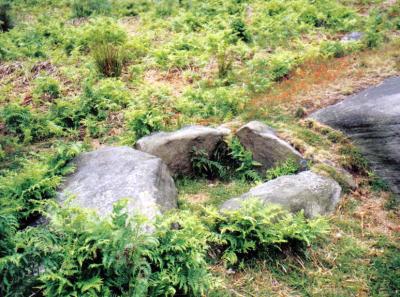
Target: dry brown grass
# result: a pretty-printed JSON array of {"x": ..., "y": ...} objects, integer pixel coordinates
[
  {"x": 172, "y": 80},
  {"x": 318, "y": 84}
]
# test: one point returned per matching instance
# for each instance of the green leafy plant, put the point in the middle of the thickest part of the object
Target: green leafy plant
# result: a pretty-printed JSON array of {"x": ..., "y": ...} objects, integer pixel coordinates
[
  {"x": 144, "y": 122},
  {"x": 46, "y": 89},
  {"x": 66, "y": 113},
  {"x": 8, "y": 227},
  {"x": 281, "y": 64},
  {"x": 80, "y": 254},
  {"x": 245, "y": 165},
  {"x": 240, "y": 31},
  {"x": 84, "y": 256},
  {"x": 101, "y": 98},
  {"x": 205, "y": 166},
  {"x": 372, "y": 38},
  {"x": 288, "y": 167},
  {"x": 333, "y": 49},
  {"x": 228, "y": 160},
  {"x": 35, "y": 181},
  {"x": 179, "y": 261},
  {"x": 26, "y": 125},
  {"x": 254, "y": 228}
]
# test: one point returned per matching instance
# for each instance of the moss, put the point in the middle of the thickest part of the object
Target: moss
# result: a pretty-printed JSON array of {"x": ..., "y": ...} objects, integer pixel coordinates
[{"x": 344, "y": 180}]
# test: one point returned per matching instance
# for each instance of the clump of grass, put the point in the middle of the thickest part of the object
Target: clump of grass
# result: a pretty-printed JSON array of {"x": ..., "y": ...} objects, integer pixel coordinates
[
  {"x": 353, "y": 160},
  {"x": 109, "y": 59}
]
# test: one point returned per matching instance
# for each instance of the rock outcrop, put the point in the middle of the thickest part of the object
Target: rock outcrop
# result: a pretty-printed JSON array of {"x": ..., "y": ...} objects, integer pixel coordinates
[
  {"x": 104, "y": 176},
  {"x": 308, "y": 191},
  {"x": 372, "y": 119},
  {"x": 176, "y": 148},
  {"x": 267, "y": 148}
]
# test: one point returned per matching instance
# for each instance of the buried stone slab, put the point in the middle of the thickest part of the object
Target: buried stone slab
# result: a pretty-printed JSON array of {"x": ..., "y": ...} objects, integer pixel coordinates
[
  {"x": 352, "y": 37},
  {"x": 104, "y": 176},
  {"x": 308, "y": 191},
  {"x": 267, "y": 148},
  {"x": 176, "y": 148}
]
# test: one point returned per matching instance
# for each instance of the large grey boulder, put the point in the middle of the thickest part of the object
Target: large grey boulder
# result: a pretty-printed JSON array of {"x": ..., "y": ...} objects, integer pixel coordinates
[
  {"x": 267, "y": 148},
  {"x": 308, "y": 191},
  {"x": 104, "y": 176},
  {"x": 372, "y": 119},
  {"x": 175, "y": 148}
]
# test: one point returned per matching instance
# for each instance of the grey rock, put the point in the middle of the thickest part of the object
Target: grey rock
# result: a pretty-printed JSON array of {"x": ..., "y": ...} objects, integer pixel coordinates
[
  {"x": 308, "y": 191},
  {"x": 175, "y": 148},
  {"x": 267, "y": 148},
  {"x": 104, "y": 176},
  {"x": 372, "y": 120},
  {"x": 352, "y": 36}
]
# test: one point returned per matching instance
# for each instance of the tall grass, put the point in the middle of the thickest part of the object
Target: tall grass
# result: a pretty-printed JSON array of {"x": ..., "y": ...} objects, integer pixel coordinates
[{"x": 108, "y": 59}]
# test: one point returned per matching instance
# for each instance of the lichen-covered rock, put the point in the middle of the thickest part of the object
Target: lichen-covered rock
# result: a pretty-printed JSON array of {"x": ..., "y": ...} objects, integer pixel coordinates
[
  {"x": 267, "y": 148},
  {"x": 372, "y": 119},
  {"x": 308, "y": 191},
  {"x": 176, "y": 148},
  {"x": 104, "y": 176}
]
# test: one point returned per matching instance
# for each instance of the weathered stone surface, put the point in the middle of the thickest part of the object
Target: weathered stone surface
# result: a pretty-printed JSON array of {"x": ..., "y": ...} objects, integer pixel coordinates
[
  {"x": 352, "y": 36},
  {"x": 175, "y": 148},
  {"x": 104, "y": 176},
  {"x": 372, "y": 119},
  {"x": 308, "y": 191},
  {"x": 267, "y": 148}
]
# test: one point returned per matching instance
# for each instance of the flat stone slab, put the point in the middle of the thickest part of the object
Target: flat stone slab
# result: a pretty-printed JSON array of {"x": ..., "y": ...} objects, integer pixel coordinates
[
  {"x": 352, "y": 37},
  {"x": 104, "y": 176},
  {"x": 267, "y": 148},
  {"x": 308, "y": 191},
  {"x": 371, "y": 119},
  {"x": 176, "y": 148}
]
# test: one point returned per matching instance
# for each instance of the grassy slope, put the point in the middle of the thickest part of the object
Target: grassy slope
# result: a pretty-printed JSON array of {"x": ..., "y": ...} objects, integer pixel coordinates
[{"x": 364, "y": 230}]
